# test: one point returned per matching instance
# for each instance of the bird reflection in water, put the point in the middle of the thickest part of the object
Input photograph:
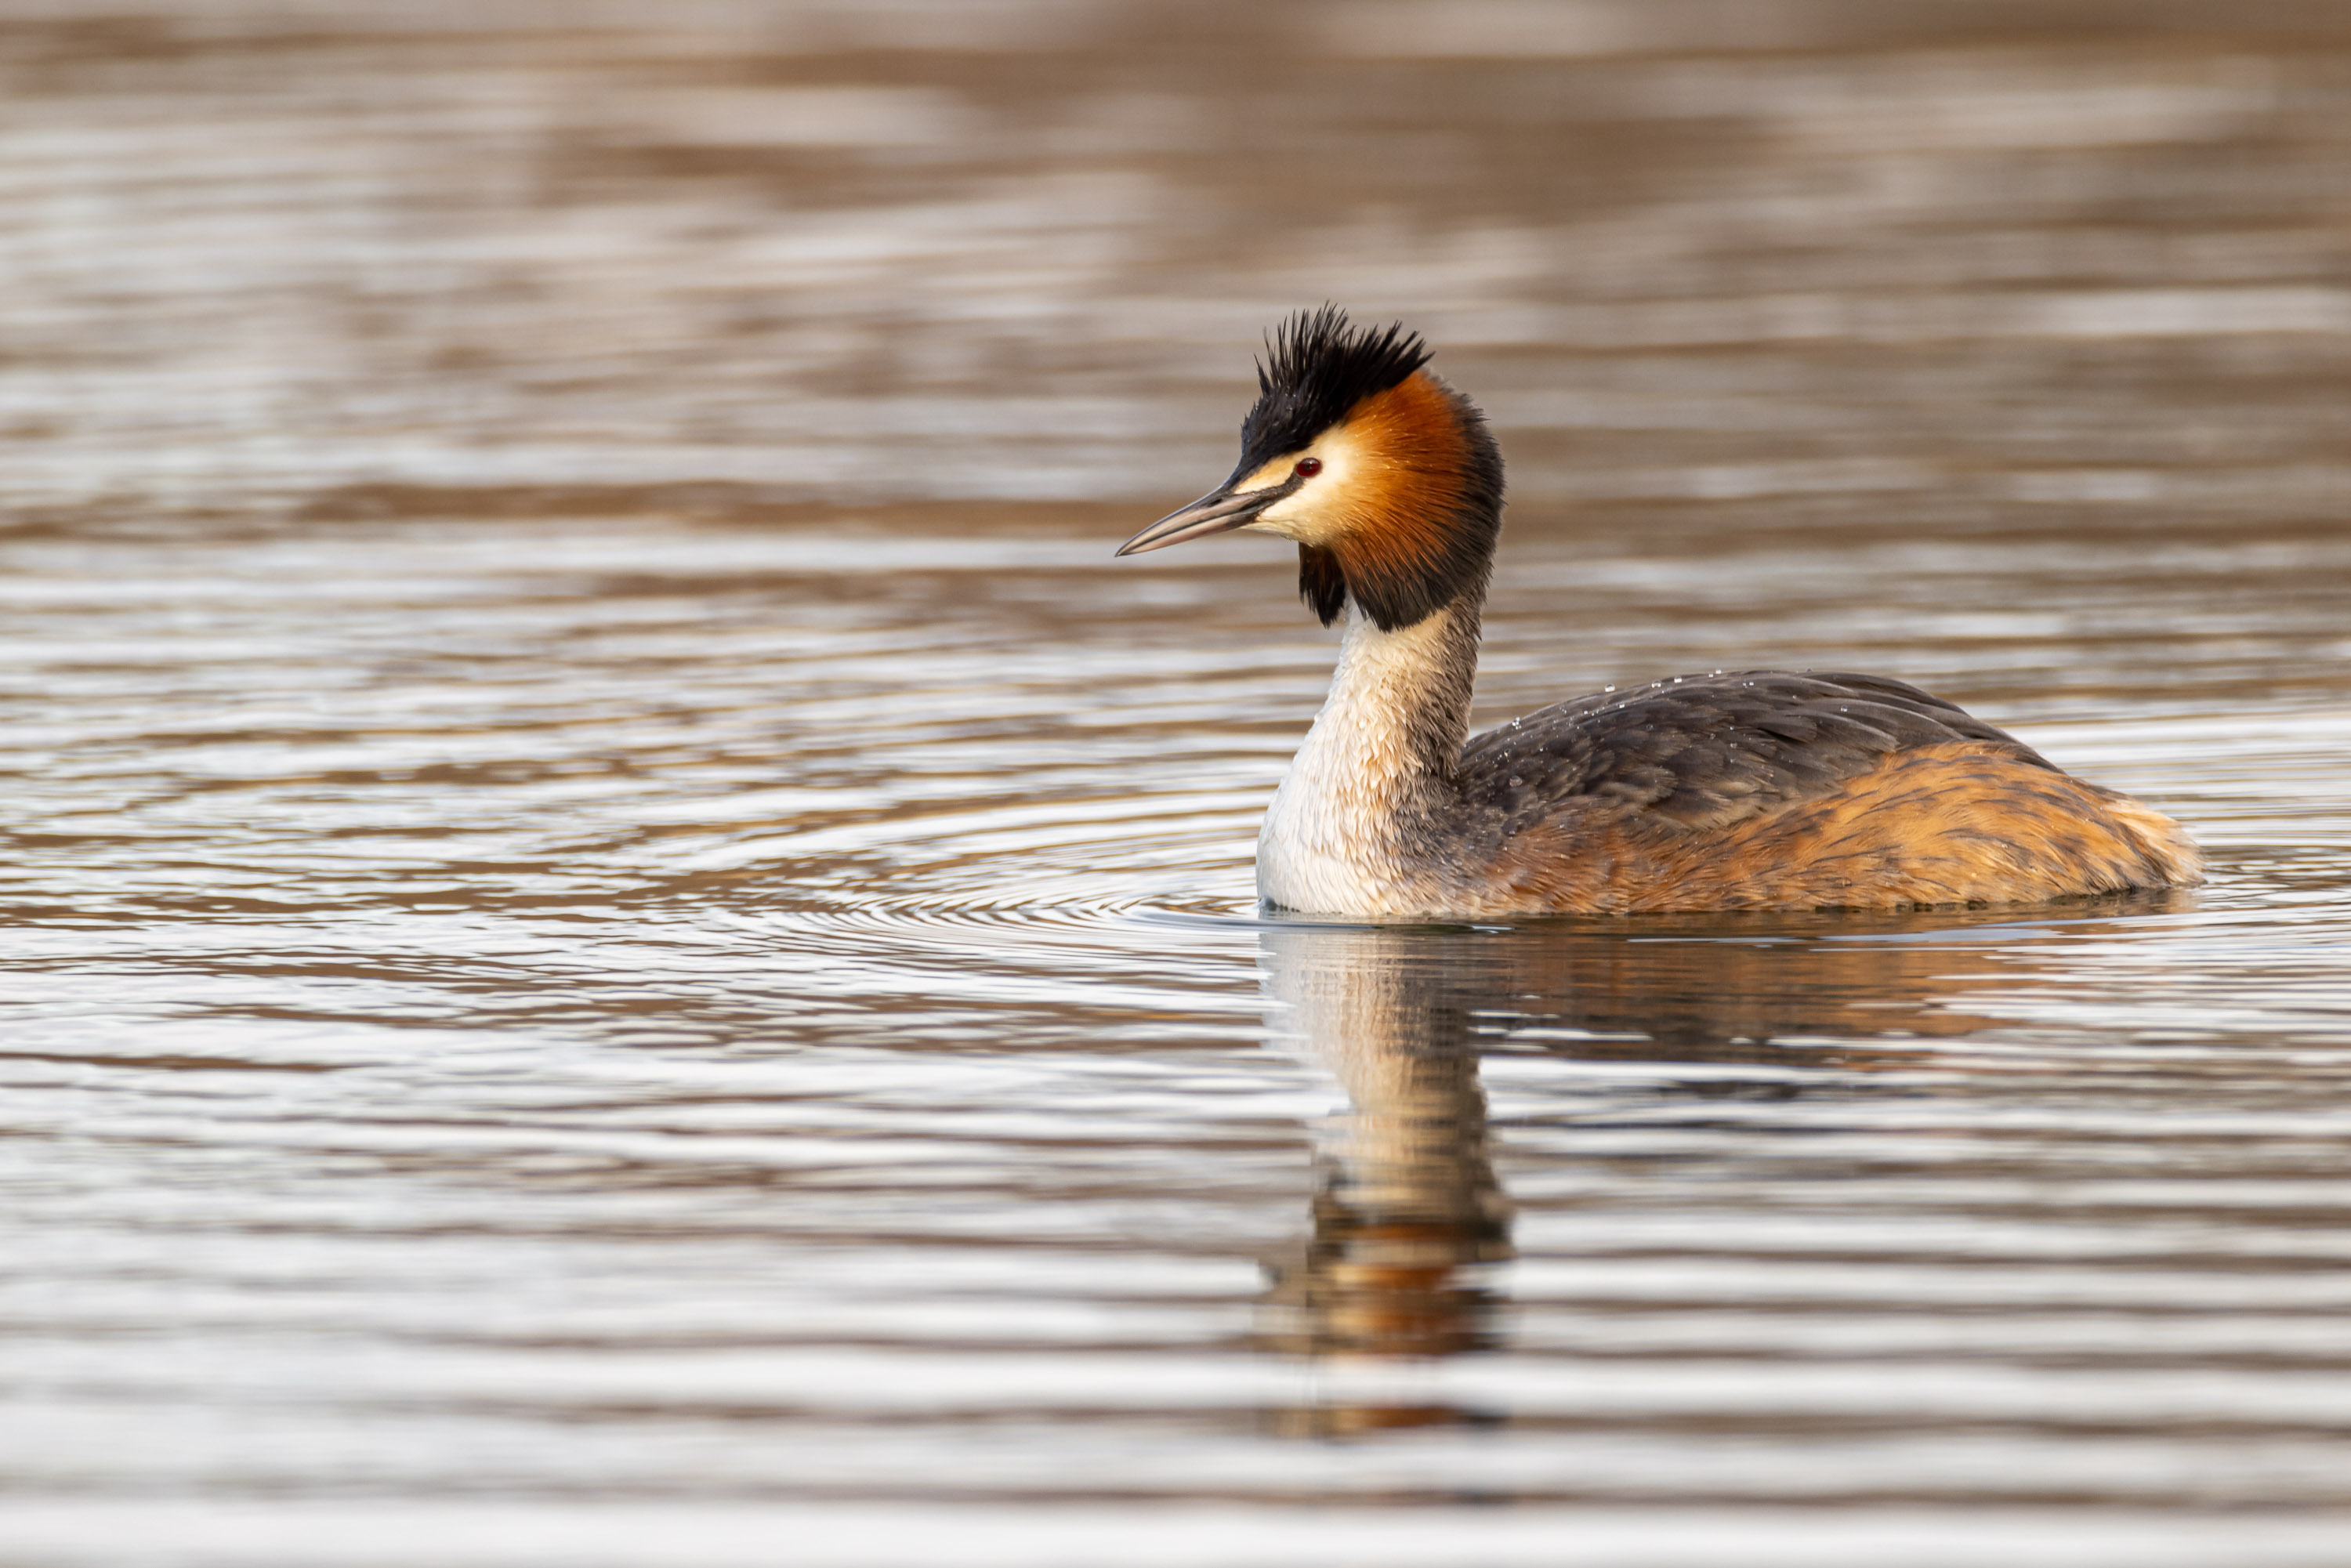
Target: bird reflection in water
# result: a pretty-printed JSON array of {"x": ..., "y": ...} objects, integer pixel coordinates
[
  {"x": 1408, "y": 1218},
  {"x": 1407, "y": 1210},
  {"x": 1406, "y": 1214}
]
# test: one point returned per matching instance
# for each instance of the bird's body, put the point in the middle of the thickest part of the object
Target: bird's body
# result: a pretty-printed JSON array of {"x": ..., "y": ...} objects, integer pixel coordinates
[{"x": 1755, "y": 790}]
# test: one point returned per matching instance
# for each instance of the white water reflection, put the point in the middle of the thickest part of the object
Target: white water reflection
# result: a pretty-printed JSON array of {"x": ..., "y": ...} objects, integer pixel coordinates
[{"x": 1407, "y": 1216}]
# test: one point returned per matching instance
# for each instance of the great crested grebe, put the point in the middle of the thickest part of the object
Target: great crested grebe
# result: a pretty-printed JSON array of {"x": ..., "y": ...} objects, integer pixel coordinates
[{"x": 1755, "y": 790}]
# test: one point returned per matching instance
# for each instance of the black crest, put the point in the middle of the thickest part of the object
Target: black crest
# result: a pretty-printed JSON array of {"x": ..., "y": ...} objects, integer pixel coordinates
[{"x": 1317, "y": 367}]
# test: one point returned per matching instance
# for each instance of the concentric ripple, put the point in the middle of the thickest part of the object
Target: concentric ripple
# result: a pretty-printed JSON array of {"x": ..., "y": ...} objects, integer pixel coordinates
[{"x": 754, "y": 1043}]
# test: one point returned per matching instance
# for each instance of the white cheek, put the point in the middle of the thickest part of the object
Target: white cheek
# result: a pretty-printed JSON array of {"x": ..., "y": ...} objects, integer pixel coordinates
[
  {"x": 1315, "y": 516},
  {"x": 1306, "y": 516}
]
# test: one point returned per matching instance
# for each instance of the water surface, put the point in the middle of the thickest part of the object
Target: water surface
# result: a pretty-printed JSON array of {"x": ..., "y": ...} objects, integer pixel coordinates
[{"x": 627, "y": 945}]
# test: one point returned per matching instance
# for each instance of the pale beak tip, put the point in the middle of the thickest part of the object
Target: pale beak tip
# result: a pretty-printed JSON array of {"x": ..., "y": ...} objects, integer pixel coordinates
[{"x": 1214, "y": 512}]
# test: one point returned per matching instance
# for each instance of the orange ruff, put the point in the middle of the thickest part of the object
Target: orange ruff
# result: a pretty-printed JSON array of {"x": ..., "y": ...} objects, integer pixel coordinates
[
  {"x": 1953, "y": 823},
  {"x": 1402, "y": 507}
]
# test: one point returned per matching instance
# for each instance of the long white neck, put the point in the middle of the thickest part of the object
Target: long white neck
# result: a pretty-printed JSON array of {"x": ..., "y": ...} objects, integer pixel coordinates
[{"x": 1376, "y": 771}]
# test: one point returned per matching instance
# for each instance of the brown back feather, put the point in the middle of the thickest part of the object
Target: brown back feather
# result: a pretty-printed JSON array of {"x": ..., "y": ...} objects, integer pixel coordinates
[
  {"x": 1708, "y": 750},
  {"x": 1770, "y": 790}
]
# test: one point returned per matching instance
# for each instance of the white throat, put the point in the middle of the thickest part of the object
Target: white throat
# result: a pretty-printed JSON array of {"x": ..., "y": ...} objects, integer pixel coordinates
[{"x": 1335, "y": 837}]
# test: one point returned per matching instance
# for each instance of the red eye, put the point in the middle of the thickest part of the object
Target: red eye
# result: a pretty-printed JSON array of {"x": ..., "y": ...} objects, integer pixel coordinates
[{"x": 1308, "y": 467}]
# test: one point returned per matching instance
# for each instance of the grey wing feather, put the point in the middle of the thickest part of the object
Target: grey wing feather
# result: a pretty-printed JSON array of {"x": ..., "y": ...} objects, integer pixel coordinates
[{"x": 1706, "y": 750}]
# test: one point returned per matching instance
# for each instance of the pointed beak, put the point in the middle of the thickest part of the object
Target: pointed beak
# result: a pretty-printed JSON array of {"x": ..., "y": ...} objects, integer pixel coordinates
[{"x": 1221, "y": 509}]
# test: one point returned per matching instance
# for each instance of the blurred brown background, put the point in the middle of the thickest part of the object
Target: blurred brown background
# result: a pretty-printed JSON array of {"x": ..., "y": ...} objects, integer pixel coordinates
[{"x": 1815, "y": 258}]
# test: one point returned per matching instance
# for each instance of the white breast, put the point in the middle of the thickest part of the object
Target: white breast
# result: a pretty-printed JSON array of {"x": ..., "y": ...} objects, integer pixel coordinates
[{"x": 1330, "y": 841}]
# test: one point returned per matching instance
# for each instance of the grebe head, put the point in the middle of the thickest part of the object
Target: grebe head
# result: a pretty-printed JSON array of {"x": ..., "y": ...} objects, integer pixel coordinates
[{"x": 1385, "y": 477}]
